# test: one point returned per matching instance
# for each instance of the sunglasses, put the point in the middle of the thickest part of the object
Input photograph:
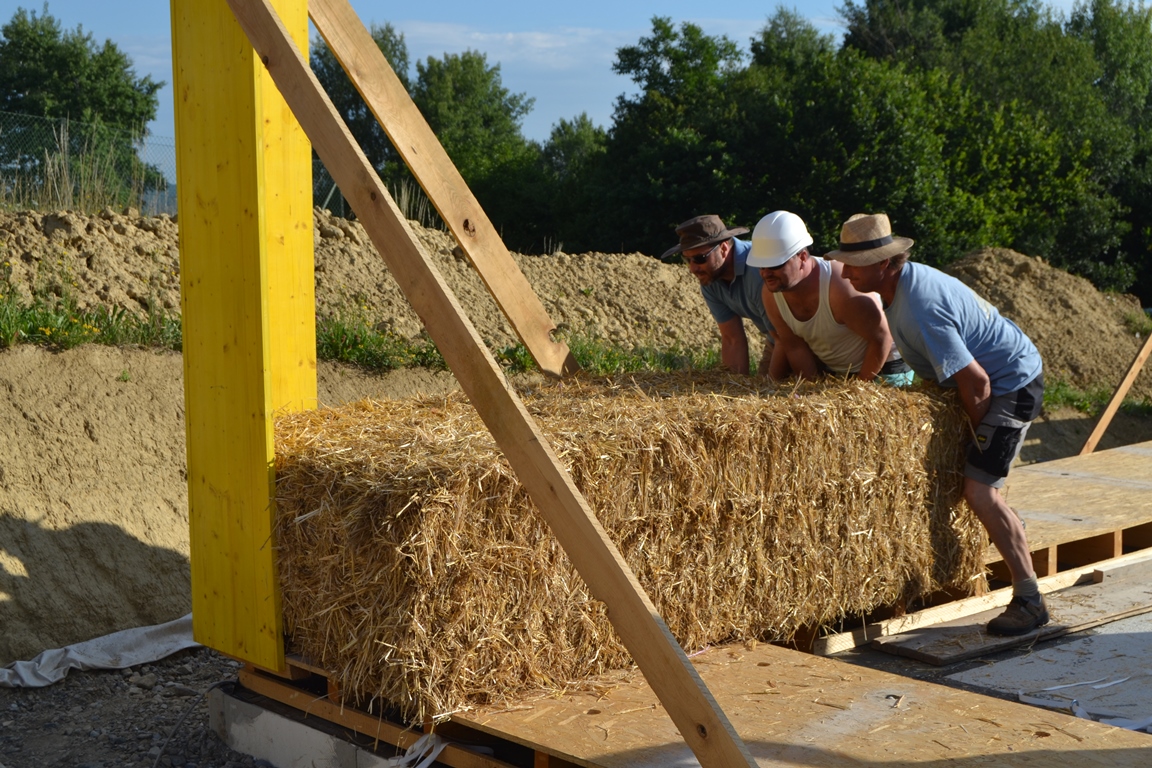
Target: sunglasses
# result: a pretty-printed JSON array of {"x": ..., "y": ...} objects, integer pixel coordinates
[{"x": 701, "y": 258}]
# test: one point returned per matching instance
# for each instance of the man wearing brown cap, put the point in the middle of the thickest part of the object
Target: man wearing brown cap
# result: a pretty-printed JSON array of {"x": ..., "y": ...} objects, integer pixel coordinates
[
  {"x": 731, "y": 289},
  {"x": 949, "y": 334}
]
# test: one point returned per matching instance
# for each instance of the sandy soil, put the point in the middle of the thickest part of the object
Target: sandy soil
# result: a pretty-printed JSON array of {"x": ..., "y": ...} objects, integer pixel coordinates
[{"x": 93, "y": 502}]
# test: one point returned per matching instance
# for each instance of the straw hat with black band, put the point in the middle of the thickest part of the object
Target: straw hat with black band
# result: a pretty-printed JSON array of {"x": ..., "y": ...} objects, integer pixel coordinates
[
  {"x": 867, "y": 239},
  {"x": 701, "y": 232}
]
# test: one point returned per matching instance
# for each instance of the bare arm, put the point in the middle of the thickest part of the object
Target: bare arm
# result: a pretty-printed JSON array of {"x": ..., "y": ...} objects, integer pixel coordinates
[
  {"x": 791, "y": 355},
  {"x": 864, "y": 316},
  {"x": 975, "y": 391},
  {"x": 733, "y": 345}
]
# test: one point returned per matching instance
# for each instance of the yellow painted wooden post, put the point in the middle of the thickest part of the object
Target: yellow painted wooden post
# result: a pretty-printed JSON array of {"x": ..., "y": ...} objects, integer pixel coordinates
[{"x": 247, "y": 292}]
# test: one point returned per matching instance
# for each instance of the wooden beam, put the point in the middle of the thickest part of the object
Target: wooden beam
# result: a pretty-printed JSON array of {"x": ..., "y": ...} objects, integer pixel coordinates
[
  {"x": 243, "y": 167},
  {"x": 385, "y": 95},
  {"x": 355, "y": 720},
  {"x": 1118, "y": 397},
  {"x": 703, "y": 726}
]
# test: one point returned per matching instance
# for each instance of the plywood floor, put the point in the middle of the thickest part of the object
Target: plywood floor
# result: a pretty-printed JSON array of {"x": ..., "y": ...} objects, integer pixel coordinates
[
  {"x": 794, "y": 709},
  {"x": 1083, "y": 496}
]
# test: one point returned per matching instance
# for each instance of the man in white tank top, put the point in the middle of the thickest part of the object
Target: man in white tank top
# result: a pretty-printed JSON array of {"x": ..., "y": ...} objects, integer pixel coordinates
[{"x": 822, "y": 324}]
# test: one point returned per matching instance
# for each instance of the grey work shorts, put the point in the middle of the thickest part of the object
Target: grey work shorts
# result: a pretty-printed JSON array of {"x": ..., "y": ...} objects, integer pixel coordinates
[{"x": 1001, "y": 434}]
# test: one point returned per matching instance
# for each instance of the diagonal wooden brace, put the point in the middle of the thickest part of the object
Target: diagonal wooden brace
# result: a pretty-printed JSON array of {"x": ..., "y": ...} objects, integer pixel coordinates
[
  {"x": 671, "y": 675},
  {"x": 414, "y": 140},
  {"x": 1118, "y": 397}
]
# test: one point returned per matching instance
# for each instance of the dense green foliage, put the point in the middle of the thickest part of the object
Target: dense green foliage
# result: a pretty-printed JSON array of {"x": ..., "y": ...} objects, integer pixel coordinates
[
  {"x": 90, "y": 90},
  {"x": 970, "y": 122}
]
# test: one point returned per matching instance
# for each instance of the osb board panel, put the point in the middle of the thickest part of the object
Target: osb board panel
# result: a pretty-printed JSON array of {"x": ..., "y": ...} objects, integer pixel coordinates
[
  {"x": 794, "y": 709},
  {"x": 1124, "y": 591},
  {"x": 1081, "y": 496}
]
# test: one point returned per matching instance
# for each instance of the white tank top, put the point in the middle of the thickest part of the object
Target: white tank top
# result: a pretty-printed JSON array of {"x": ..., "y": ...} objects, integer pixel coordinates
[{"x": 841, "y": 350}]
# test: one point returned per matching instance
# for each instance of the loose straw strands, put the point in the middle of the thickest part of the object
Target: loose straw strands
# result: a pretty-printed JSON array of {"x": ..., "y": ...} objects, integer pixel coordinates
[{"x": 415, "y": 568}]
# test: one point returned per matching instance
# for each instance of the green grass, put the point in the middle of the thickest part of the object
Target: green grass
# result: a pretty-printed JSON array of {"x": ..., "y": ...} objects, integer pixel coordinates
[
  {"x": 56, "y": 323},
  {"x": 1138, "y": 323},
  {"x": 356, "y": 342},
  {"x": 59, "y": 324},
  {"x": 600, "y": 358},
  {"x": 1060, "y": 394}
]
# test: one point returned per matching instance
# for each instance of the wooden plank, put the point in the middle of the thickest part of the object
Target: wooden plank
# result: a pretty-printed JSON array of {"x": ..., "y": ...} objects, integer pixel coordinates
[
  {"x": 361, "y": 722},
  {"x": 385, "y": 95},
  {"x": 1115, "y": 567},
  {"x": 1079, "y": 607},
  {"x": 1118, "y": 397},
  {"x": 971, "y": 606},
  {"x": 1044, "y": 562},
  {"x": 645, "y": 635},
  {"x": 233, "y": 224},
  {"x": 795, "y": 709}
]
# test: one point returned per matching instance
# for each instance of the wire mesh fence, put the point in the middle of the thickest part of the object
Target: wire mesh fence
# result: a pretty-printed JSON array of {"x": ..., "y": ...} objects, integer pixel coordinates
[{"x": 50, "y": 164}]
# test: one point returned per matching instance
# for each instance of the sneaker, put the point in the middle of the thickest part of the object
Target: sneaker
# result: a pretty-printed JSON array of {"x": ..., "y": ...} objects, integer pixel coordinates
[{"x": 1021, "y": 617}]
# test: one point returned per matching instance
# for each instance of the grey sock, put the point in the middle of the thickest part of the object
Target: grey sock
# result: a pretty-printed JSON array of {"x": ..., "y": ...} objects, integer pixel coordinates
[{"x": 1028, "y": 589}]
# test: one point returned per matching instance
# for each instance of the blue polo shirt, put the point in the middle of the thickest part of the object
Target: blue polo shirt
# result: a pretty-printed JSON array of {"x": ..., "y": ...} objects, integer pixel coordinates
[
  {"x": 940, "y": 325},
  {"x": 741, "y": 297}
]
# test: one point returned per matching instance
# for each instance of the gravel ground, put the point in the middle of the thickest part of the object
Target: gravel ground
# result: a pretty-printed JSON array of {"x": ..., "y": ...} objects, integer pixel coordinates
[{"x": 152, "y": 715}]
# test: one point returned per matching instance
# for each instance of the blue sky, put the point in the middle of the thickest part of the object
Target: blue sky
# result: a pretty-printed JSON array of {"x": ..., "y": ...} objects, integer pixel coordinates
[{"x": 559, "y": 53}]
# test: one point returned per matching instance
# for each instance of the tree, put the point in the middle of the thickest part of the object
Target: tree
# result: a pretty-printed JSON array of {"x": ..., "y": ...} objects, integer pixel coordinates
[
  {"x": 47, "y": 72},
  {"x": 351, "y": 106},
  {"x": 1121, "y": 37},
  {"x": 475, "y": 117},
  {"x": 667, "y": 156},
  {"x": 1015, "y": 57}
]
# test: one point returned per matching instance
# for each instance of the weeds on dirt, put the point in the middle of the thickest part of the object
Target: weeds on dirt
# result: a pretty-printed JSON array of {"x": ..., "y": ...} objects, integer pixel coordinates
[
  {"x": 1061, "y": 394},
  {"x": 354, "y": 341},
  {"x": 601, "y": 359},
  {"x": 1138, "y": 323},
  {"x": 60, "y": 324}
]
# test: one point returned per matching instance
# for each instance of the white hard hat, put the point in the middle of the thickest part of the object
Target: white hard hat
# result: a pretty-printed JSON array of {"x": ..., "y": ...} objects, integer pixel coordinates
[{"x": 777, "y": 238}]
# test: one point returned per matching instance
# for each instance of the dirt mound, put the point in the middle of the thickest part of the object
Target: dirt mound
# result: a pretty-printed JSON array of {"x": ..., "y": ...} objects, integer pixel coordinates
[
  {"x": 1083, "y": 335},
  {"x": 132, "y": 261},
  {"x": 93, "y": 499}
]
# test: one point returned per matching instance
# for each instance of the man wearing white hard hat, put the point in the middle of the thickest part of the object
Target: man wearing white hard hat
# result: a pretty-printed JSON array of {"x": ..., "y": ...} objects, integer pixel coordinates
[
  {"x": 730, "y": 289},
  {"x": 823, "y": 325},
  {"x": 949, "y": 334}
]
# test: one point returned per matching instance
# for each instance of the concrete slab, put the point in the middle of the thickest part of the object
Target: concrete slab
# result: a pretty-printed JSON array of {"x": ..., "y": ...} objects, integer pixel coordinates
[
  {"x": 281, "y": 740},
  {"x": 1107, "y": 670}
]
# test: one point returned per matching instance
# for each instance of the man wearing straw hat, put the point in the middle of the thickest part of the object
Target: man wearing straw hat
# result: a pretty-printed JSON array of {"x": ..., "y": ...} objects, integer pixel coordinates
[
  {"x": 949, "y": 334},
  {"x": 823, "y": 325},
  {"x": 732, "y": 291}
]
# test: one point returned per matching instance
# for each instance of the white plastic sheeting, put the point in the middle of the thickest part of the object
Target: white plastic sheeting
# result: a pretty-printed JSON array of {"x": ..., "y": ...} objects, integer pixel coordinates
[{"x": 119, "y": 650}]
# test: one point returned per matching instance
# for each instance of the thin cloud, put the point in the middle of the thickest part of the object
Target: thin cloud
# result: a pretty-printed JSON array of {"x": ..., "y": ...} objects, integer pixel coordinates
[{"x": 560, "y": 49}]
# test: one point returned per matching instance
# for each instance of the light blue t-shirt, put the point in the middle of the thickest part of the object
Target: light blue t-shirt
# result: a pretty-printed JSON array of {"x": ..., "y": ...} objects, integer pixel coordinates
[
  {"x": 940, "y": 326},
  {"x": 741, "y": 297}
]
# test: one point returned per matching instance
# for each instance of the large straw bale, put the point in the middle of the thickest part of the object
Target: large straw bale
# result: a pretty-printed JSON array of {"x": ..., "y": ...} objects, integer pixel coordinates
[{"x": 415, "y": 568}]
